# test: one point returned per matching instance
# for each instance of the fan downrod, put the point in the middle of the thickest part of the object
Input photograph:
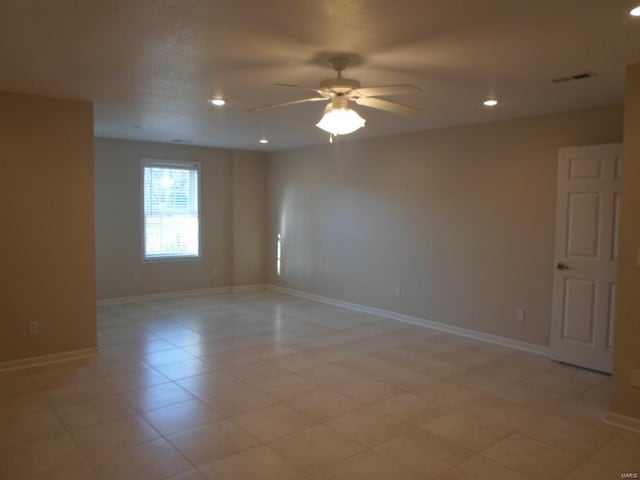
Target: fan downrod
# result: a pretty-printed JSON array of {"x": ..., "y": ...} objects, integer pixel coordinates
[{"x": 339, "y": 64}]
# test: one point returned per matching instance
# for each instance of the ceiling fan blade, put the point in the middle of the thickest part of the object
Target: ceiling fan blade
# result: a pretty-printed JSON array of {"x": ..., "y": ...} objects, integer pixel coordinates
[
  {"x": 382, "y": 90},
  {"x": 301, "y": 87},
  {"x": 276, "y": 105},
  {"x": 387, "y": 106}
]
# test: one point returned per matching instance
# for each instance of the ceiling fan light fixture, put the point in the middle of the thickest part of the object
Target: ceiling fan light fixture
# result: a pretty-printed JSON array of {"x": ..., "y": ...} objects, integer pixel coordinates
[
  {"x": 635, "y": 12},
  {"x": 217, "y": 102},
  {"x": 339, "y": 119}
]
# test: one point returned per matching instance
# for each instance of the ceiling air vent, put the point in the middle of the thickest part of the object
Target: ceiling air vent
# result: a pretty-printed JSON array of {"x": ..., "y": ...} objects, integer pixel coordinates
[{"x": 571, "y": 78}]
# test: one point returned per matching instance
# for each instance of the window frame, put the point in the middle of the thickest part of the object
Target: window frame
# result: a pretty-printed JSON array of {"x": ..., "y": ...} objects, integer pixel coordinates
[{"x": 178, "y": 164}]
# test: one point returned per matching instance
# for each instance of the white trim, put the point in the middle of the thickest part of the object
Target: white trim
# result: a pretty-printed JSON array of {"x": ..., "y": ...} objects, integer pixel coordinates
[
  {"x": 248, "y": 288},
  {"x": 161, "y": 296},
  {"x": 622, "y": 421},
  {"x": 463, "y": 332},
  {"x": 50, "y": 358}
]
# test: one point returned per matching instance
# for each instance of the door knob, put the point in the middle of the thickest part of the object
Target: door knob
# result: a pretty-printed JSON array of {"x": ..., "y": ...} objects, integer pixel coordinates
[{"x": 562, "y": 266}]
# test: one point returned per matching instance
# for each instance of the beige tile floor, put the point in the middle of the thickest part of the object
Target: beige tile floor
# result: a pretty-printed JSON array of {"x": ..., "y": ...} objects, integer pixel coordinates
[{"x": 271, "y": 387}]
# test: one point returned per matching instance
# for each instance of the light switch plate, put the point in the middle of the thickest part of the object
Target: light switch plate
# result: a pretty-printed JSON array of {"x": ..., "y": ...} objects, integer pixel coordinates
[{"x": 635, "y": 377}]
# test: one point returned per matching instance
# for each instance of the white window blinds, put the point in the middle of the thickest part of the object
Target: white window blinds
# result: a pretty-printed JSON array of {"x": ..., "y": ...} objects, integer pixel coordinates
[{"x": 171, "y": 217}]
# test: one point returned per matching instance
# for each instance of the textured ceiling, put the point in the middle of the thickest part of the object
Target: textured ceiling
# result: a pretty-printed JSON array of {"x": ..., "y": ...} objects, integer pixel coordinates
[{"x": 150, "y": 65}]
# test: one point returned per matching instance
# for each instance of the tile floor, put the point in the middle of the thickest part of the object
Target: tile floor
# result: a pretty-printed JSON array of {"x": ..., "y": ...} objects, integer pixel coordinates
[{"x": 271, "y": 387}]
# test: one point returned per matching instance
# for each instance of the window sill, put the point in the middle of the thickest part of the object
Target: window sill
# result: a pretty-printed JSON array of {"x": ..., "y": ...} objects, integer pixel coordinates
[{"x": 171, "y": 259}]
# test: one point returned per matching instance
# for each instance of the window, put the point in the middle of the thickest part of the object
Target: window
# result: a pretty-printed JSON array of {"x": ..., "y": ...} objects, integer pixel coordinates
[{"x": 171, "y": 217}]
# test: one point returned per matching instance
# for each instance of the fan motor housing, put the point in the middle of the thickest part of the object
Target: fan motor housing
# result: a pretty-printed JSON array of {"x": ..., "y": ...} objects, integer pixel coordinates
[{"x": 339, "y": 85}]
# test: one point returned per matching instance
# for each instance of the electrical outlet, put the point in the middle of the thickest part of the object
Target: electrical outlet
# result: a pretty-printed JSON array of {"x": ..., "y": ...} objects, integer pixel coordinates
[
  {"x": 34, "y": 328},
  {"x": 520, "y": 314}
]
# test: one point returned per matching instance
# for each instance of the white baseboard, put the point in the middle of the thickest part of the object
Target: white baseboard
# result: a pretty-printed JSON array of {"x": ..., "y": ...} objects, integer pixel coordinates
[
  {"x": 443, "y": 327},
  {"x": 161, "y": 296},
  {"x": 47, "y": 359},
  {"x": 182, "y": 293},
  {"x": 622, "y": 421},
  {"x": 248, "y": 288}
]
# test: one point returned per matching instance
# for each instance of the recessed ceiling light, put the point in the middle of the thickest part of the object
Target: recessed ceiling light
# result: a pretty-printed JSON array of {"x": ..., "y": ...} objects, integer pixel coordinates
[
  {"x": 218, "y": 102},
  {"x": 635, "y": 12},
  {"x": 490, "y": 103},
  {"x": 263, "y": 140}
]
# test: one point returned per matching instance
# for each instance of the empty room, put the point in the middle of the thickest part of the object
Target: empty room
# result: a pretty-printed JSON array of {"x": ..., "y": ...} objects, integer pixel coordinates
[{"x": 319, "y": 240}]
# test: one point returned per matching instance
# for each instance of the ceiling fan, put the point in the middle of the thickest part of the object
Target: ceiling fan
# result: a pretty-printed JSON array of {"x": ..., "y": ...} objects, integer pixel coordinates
[{"x": 339, "y": 118}]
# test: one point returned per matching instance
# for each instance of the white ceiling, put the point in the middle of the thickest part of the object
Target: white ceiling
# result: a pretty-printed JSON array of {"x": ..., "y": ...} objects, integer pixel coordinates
[{"x": 150, "y": 65}]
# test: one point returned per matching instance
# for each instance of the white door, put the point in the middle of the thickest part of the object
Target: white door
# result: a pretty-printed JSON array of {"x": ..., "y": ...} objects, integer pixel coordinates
[{"x": 586, "y": 253}]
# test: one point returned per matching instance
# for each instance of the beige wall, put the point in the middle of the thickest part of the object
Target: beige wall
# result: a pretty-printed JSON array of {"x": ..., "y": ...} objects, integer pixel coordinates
[
  {"x": 626, "y": 400},
  {"x": 460, "y": 219},
  {"x": 47, "y": 269},
  {"x": 121, "y": 271},
  {"x": 249, "y": 218}
]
